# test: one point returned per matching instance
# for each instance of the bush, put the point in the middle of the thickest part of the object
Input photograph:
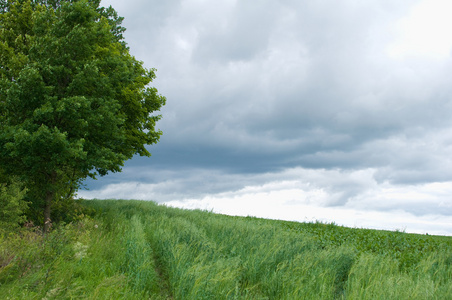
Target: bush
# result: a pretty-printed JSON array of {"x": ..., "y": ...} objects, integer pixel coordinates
[{"x": 12, "y": 205}]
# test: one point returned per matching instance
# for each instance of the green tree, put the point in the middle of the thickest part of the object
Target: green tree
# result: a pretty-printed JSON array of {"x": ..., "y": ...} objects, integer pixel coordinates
[{"x": 73, "y": 101}]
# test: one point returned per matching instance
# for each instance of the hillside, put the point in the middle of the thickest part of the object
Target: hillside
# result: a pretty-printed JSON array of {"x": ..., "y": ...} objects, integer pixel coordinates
[{"x": 141, "y": 250}]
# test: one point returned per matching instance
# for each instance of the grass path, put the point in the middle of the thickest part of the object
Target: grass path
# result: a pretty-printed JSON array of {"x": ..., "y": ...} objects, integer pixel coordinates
[{"x": 162, "y": 279}]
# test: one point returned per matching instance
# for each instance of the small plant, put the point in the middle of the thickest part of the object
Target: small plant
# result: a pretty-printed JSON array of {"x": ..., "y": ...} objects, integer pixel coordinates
[{"x": 12, "y": 205}]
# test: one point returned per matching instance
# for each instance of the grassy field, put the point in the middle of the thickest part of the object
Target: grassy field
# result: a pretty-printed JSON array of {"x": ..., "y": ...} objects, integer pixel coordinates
[{"x": 140, "y": 250}]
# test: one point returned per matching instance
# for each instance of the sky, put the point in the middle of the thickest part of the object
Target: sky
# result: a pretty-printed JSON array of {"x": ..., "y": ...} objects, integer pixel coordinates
[{"x": 331, "y": 111}]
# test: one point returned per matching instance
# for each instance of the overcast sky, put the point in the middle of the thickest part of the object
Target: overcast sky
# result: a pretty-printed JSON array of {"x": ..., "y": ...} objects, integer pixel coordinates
[{"x": 338, "y": 111}]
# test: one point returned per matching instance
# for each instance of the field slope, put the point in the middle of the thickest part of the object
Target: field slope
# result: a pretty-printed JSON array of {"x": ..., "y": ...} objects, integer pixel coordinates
[{"x": 141, "y": 250}]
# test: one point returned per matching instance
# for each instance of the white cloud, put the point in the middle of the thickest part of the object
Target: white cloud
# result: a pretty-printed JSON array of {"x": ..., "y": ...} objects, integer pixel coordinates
[
  {"x": 426, "y": 31},
  {"x": 350, "y": 198},
  {"x": 295, "y": 204}
]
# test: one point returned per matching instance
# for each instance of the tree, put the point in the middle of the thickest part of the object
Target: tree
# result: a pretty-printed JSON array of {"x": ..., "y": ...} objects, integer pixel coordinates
[{"x": 73, "y": 101}]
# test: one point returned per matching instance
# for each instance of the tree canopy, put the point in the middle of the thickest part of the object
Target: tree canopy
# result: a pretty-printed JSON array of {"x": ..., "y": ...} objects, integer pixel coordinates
[{"x": 73, "y": 101}]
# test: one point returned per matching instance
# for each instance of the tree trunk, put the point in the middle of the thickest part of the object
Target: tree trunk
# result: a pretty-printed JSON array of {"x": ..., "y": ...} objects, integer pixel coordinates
[
  {"x": 47, "y": 211},
  {"x": 50, "y": 194}
]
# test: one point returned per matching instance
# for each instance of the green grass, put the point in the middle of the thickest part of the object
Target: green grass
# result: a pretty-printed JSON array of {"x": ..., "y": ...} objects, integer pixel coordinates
[{"x": 141, "y": 250}]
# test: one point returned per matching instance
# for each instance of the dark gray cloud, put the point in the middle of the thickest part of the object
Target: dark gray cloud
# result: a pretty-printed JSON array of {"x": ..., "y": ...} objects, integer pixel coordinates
[{"x": 312, "y": 85}]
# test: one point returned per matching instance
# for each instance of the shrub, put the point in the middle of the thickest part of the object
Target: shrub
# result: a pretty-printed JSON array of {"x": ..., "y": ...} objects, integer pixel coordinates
[{"x": 12, "y": 204}]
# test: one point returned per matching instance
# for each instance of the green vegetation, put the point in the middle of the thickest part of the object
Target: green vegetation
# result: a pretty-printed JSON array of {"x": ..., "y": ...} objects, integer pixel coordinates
[
  {"x": 12, "y": 204},
  {"x": 73, "y": 101},
  {"x": 141, "y": 250}
]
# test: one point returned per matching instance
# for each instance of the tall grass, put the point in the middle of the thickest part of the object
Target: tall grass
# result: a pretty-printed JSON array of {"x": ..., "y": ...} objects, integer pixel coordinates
[
  {"x": 209, "y": 256},
  {"x": 102, "y": 258},
  {"x": 141, "y": 250}
]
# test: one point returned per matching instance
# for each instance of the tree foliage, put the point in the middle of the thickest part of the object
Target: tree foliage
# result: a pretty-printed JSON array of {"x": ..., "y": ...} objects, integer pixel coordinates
[{"x": 73, "y": 101}]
